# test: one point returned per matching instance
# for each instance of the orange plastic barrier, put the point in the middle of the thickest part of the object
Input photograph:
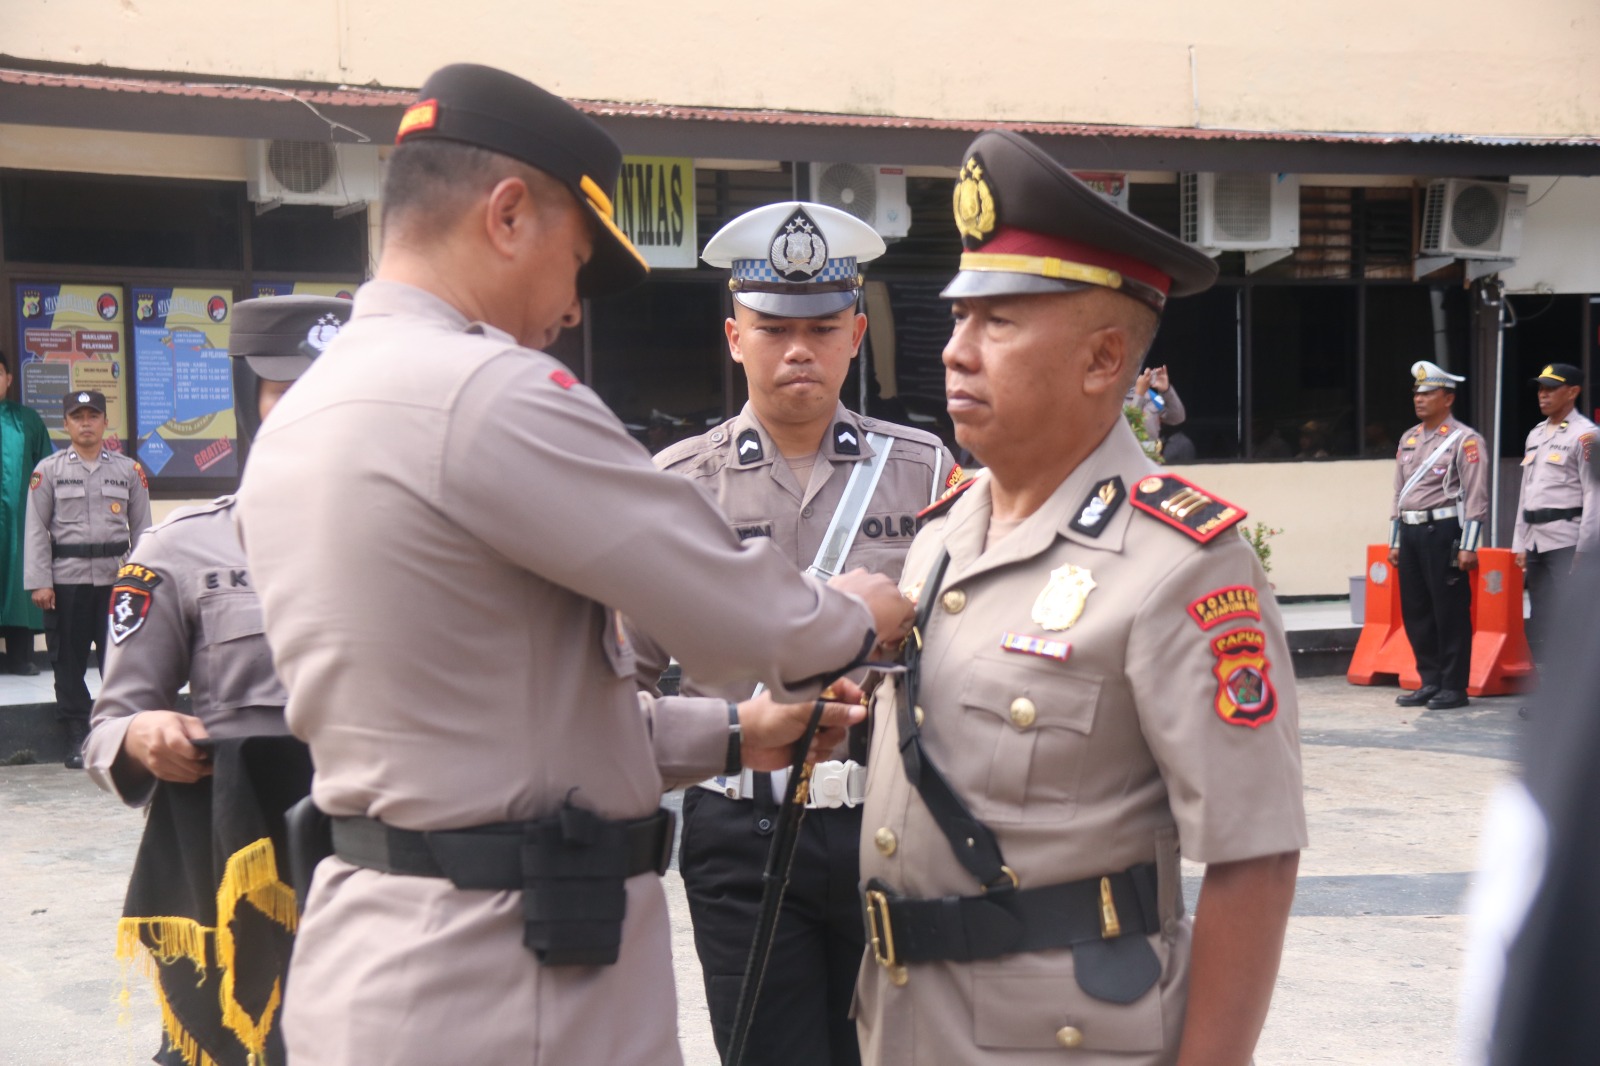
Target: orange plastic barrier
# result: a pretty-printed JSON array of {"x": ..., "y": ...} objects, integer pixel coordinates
[{"x": 1500, "y": 660}]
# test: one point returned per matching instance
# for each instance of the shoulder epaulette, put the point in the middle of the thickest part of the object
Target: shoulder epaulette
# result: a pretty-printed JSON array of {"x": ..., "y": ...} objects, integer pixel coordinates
[
  {"x": 895, "y": 429},
  {"x": 1185, "y": 507},
  {"x": 221, "y": 503},
  {"x": 945, "y": 502},
  {"x": 687, "y": 448}
]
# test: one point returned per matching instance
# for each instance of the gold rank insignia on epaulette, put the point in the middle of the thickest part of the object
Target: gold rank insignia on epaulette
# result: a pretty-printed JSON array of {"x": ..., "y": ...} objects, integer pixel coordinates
[
  {"x": 1185, "y": 507},
  {"x": 945, "y": 502}
]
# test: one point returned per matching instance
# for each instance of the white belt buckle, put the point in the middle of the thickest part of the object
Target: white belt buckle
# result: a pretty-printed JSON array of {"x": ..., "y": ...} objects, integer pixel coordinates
[{"x": 837, "y": 784}]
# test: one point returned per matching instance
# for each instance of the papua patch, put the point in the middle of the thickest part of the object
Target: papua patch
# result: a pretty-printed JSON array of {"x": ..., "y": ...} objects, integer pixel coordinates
[
  {"x": 130, "y": 606},
  {"x": 954, "y": 477},
  {"x": 845, "y": 441},
  {"x": 1097, "y": 509},
  {"x": 1184, "y": 507},
  {"x": 35, "y": 481},
  {"x": 144, "y": 482},
  {"x": 562, "y": 378},
  {"x": 1221, "y": 605},
  {"x": 749, "y": 447},
  {"x": 1469, "y": 450},
  {"x": 798, "y": 251},
  {"x": 945, "y": 502},
  {"x": 1586, "y": 440},
  {"x": 1245, "y": 695},
  {"x": 976, "y": 210},
  {"x": 1045, "y": 649},
  {"x": 138, "y": 576}
]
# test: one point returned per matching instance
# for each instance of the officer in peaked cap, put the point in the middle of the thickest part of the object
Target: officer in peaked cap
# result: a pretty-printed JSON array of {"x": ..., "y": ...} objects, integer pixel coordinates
[
  {"x": 1441, "y": 500},
  {"x": 779, "y": 471},
  {"x": 1098, "y": 683},
  {"x": 184, "y": 611},
  {"x": 442, "y": 601},
  {"x": 87, "y": 504},
  {"x": 1557, "y": 498}
]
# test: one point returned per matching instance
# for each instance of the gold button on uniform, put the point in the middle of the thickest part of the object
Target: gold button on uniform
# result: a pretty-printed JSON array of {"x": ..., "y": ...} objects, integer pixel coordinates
[
  {"x": 885, "y": 840},
  {"x": 1023, "y": 712},
  {"x": 954, "y": 600},
  {"x": 1067, "y": 1036}
]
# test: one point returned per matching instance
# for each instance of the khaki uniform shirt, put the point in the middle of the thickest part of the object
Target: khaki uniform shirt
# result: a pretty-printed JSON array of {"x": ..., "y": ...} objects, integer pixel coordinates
[
  {"x": 1459, "y": 477},
  {"x": 1553, "y": 476},
  {"x": 74, "y": 502},
  {"x": 183, "y": 610},
  {"x": 1121, "y": 744},
  {"x": 1171, "y": 413},
  {"x": 761, "y": 497},
  {"x": 442, "y": 527}
]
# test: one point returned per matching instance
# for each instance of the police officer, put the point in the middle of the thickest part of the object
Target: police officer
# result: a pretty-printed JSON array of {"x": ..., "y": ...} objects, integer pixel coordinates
[
  {"x": 1156, "y": 400},
  {"x": 1555, "y": 494},
  {"x": 779, "y": 471},
  {"x": 1441, "y": 498},
  {"x": 444, "y": 526},
  {"x": 184, "y": 611},
  {"x": 87, "y": 505},
  {"x": 1098, "y": 683}
]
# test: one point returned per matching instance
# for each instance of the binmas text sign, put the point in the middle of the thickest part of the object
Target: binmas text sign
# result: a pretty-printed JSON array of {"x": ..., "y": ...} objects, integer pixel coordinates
[{"x": 655, "y": 208}]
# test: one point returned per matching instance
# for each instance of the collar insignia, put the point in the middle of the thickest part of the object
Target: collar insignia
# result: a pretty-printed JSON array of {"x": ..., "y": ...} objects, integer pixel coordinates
[
  {"x": 1061, "y": 601},
  {"x": 1101, "y": 504},
  {"x": 749, "y": 447},
  {"x": 798, "y": 251},
  {"x": 1186, "y": 508},
  {"x": 975, "y": 207},
  {"x": 944, "y": 502},
  {"x": 845, "y": 441}
]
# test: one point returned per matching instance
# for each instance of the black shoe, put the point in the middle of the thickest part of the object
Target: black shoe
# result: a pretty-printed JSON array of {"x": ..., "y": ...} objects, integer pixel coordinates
[
  {"x": 22, "y": 668},
  {"x": 1419, "y": 697},
  {"x": 74, "y": 761},
  {"x": 77, "y": 733},
  {"x": 1447, "y": 699}
]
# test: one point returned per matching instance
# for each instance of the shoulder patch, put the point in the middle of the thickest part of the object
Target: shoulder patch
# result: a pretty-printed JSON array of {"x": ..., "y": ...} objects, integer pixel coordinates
[
  {"x": 130, "y": 606},
  {"x": 35, "y": 481},
  {"x": 1224, "y": 604},
  {"x": 955, "y": 476},
  {"x": 1184, "y": 507},
  {"x": 563, "y": 378},
  {"x": 1245, "y": 696},
  {"x": 138, "y": 468},
  {"x": 1586, "y": 439},
  {"x": 1469, "y": 449},
  {"x": 138, "y": 576},
  {"x": 945, "y": 502},
  {"x": 1098, "y": 507}
]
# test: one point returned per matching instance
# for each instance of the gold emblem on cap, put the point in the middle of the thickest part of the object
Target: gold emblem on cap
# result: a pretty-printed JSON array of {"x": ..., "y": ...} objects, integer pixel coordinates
[
  {"x": 974, "y": 202},
  {"x": 1061, "y": 602},
  {"x": 1422, "y": 375}
]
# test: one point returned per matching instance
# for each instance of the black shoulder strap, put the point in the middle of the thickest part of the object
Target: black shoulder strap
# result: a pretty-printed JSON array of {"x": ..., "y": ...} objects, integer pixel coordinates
[{"x": 973, "y": 842}]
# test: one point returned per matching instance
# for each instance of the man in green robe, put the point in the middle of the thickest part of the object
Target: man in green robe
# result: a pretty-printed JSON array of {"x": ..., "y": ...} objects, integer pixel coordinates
[{"x": 23, "y": 442}]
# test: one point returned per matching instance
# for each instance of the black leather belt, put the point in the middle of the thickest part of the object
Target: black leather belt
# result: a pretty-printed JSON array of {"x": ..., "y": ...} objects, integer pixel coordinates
[
  {"x": 89, "y": 551},
  {"x": 490, "y": 857},
  {"x": 1544, "y": 515}
]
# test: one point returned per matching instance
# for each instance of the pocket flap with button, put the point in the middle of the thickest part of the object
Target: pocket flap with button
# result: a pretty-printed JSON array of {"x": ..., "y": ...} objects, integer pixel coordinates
[
  {"x": 114, "y": 492},
  {"x": 70, "y": 492},
  {"x": 1038, "y": 1010},
  {"x": 1059, "y": 698},
  {"x": 231, "y": 616}
]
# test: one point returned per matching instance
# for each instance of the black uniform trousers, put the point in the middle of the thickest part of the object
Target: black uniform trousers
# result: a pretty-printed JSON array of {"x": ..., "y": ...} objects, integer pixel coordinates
[
  {"x": 78, "y": 620},
  {"x": 802, "y": 1016},
  {"x": 1547, "y": 574},
  {"x": 1436, "y": 603}
]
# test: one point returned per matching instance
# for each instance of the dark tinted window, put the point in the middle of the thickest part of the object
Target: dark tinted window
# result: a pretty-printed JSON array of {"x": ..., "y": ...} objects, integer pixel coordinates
[{"x": 301, "y": 239}]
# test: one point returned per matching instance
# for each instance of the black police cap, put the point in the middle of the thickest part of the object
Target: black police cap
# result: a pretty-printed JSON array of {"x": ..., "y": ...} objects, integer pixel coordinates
[
  {"x": 279, "y": 336},
  {"x": 1029, "y": 226},
  {"x": 492, "y": 109},
  {"x": 1558, "y": 374},
  {"x": 79, "y": 398}
]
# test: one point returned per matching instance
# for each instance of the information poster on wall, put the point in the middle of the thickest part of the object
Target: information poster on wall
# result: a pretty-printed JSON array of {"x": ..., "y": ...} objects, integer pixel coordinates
[
  {"x": 656, "y": 208},
  {"x": 69, "y": 338},
  {"x": 340, "y": 289},
  {"x": 183, "y": 405}
]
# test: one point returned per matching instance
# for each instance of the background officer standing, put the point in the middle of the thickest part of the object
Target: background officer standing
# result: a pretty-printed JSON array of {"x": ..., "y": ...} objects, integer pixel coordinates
[
  {"x": 184, "y": 611},
  {"x": 1555, "y": 494},
  {"x": 778, "y": 470},
  {"x": 1098, "y": 681},
  {"x": 443, "y": 605},
  {"x": 1441, "y": 498},
  {"x": 87, "y": 505}
]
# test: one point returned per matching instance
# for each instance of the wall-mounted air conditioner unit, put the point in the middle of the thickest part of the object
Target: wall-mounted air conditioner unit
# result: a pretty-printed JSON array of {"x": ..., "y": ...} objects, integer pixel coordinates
[
  {"x": 1473, "y": 219},
  {"x": 874, "y": 194},
  {"x": 313, "y": 172},
  {"x": 1239, "y": 212}
]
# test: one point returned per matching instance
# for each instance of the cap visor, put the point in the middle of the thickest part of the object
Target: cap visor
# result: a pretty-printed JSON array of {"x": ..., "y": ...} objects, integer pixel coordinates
[
  {"x": 278, "y": 367},
  {"x": 806, "y": 305},
  {"x": 1003, "y": 283},
  {"x": 616, "y": 265}
]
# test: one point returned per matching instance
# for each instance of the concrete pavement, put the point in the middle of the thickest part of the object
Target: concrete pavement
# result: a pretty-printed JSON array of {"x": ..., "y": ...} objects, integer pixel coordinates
[{"x": 1370, "y": 972}]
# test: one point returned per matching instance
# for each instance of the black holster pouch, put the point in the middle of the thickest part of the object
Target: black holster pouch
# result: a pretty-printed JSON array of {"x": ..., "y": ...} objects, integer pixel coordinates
[
  {"x": 574, "y": 895},
  {"x": 310, "y": 834}
]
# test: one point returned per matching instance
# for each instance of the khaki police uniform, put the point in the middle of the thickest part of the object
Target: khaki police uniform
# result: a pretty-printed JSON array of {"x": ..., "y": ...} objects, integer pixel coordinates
[
  {"x": 1169, "y": 412},
  {"x": 183, "y": 611},
  {"x": 82, "y": 519},
  {"x": 1162, "y": 720},
  {"x": 442, "y": 603},
  {"x": 1554, "y": 499},
  {"x": 803, "y": 1015},
  {"x": 1442, "y": 513}
]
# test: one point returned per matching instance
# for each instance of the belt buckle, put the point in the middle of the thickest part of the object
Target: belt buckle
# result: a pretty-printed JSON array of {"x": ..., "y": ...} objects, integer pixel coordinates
[{"x": 881, "y": 934}]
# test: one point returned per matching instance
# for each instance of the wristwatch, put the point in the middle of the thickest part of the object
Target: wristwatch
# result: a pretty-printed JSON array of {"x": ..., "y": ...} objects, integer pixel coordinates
[{"x": 734, "y": 764}]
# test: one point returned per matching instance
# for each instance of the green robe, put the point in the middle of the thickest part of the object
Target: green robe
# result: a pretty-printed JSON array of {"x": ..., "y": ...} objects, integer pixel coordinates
[{"x": 23, "y": 442}]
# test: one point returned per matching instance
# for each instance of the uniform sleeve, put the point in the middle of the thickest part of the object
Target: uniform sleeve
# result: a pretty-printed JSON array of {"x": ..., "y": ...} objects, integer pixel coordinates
[
  {"x": 1589, "y": 524},
  {"x": 1399, "y": 483},
  {"x": 1519, "y": 530},
  {"x": 601, "y": 520},
  {"x": 1174, "y": 412},
  {"x": 146, "y": 664},
  {"x": 37, "y": 563},
  {"x": 1472, "y": 460},
  {"x": 1219, "y": 711},
  {"x": 138, "y": 503},
  {"x": 649, "y": 657},
  {"x": 696, "y": 747}
]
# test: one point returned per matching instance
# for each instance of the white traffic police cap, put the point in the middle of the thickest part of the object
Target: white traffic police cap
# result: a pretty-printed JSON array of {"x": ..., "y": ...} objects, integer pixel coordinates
[{"x": 794, "y": 259}]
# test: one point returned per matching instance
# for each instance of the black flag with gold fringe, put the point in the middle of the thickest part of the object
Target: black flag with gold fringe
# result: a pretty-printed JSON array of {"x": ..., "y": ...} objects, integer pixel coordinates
[{"x": 210, "y": 915}]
